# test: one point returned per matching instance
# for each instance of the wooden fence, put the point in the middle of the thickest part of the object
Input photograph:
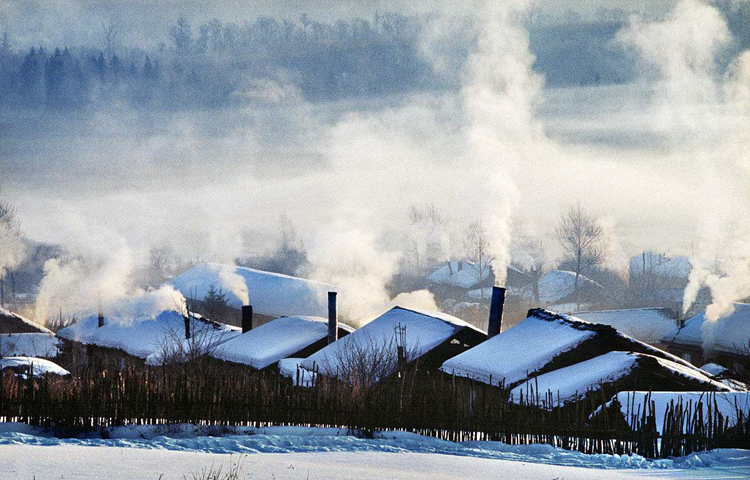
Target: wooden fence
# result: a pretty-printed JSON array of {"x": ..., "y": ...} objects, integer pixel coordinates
[{"x": 433, "y": 404}]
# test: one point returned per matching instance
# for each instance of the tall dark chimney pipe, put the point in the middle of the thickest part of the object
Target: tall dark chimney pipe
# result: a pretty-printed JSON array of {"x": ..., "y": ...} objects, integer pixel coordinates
[
  {"x": 186, "y": 318},
  {"x": 496, "y": 311},
  {"x": 100, "y": 314},
  {"x": 333, "y": 320},
  {"x": 247, "y": 318}
]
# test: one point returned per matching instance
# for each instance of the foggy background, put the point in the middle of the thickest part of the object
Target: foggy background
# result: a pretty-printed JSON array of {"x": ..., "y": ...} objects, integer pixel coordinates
[{"x": 230, "y": 133}]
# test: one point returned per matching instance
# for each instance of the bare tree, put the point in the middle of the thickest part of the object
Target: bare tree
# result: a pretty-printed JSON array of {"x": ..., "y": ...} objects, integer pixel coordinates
[
  {"x": 192, "y": 342},
  {"x": 584, "y": 243},
  {"x": 478, "y": 249},
  {"x": 110, "y": 31}
]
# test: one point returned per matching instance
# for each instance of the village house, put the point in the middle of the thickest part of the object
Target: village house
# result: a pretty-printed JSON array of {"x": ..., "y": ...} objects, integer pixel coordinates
[
  {"x": 427, "y": 337},
  {"x": 559, "y": 346},
  {"x": 725, "y": 341}
]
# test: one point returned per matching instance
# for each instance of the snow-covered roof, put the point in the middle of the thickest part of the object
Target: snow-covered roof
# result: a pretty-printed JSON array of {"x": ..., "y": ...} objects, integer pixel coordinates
[
  {"x": 146, "y": 335},
  {"x": 22, "y": 324},
  {"x": 570, "y": 383},
  {"x": 275, "y": 340},
  {"x": 646, "y": 324},
  {"x": 517, "y": 353},
  {"x": 29, "y": 345},
  {"x": 558, "y": 284},
  {"x": 660, "y": 264},
  {"x": 730, "y": 334},
  {"x": 424, "y": 331},
  {"x": 459, "y": 274},
  {"x": 271, "y": 294},
  {"x": 728, "y": 403},
  {"x": 36, "y": 366}
]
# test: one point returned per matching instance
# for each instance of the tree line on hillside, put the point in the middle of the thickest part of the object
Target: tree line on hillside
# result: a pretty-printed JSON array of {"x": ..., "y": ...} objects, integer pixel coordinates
[{"x": 220, "y": 63}]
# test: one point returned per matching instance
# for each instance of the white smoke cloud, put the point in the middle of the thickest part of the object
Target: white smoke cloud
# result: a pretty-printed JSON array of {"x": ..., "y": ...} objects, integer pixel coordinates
[
  {"x": 499, "y": 92},
  {"x": 235, "y": 283},
  {"x": 683, "y": 51}
]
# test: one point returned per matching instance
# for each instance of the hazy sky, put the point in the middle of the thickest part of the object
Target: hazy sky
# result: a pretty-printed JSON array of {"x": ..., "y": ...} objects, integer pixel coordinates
[{"x": 663, "y": 160}]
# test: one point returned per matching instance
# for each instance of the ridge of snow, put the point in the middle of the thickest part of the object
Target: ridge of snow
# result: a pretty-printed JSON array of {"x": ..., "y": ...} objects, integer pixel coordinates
[
  {"x": 271, "y": 294},
  {"x": 424, "y": 331},
  {"x": 246, "y": 440},
  {"x": 275, "y": 340}
]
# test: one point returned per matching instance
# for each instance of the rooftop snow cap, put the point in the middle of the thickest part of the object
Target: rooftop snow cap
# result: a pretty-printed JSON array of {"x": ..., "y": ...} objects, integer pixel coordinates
[
  {"x": 270, "y": 294},
  {"x": 13, "y": 323},
  {"x": 543, "y": 342},
  {"x": 146, "y": 335},
  {"x": 424, "y": 332},
  {"x": 275, "y": 340},
  {"x": 729, "y": 334}
]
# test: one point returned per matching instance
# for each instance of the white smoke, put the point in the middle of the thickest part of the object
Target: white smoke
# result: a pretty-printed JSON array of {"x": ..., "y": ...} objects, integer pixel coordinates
[
  {"x": 76, "y": 286},
  {"x": 706, "y": 117},
  {"x": 235, "y": 283},
  {"x": 499, "y": 93}
]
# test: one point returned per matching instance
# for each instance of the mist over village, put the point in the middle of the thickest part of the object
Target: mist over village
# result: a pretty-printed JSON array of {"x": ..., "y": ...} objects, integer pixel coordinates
[{"x": 342, "y": 240}]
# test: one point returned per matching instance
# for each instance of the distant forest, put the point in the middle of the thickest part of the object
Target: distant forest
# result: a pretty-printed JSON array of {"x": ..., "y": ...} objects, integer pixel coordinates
[{"x": 219, "y": 64}]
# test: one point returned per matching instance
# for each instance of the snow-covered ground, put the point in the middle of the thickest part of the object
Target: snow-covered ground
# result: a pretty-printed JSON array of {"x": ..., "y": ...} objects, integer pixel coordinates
[{"x": 302, "y": 453}]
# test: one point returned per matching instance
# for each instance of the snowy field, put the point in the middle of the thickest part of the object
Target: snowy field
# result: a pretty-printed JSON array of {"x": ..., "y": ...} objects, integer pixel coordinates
[{"x": 300, "y": 453}]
